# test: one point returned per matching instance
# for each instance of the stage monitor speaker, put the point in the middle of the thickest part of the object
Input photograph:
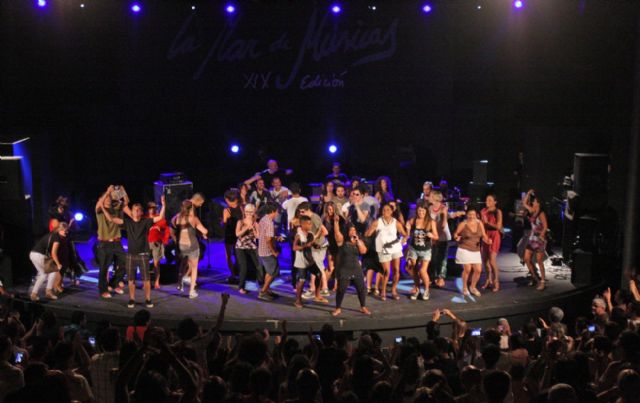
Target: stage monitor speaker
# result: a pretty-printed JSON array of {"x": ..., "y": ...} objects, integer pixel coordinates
[
  {"x": 583, "y": 269},
  {"x": 11, "y": 181},
  {"x": 480, "y": 171},
  {"x": 590, "y": 181},
  {"x": 174, "y": 194}
]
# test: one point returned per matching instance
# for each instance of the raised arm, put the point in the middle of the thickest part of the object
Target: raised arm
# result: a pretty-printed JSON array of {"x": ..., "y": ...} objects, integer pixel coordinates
[
  {"x": 252, "y": 179},
  {"x": 336, "y": 230},
  {"x": 160, "y": 216},
  {"x": 100, "y": 201},
  {"x": 525, "y": 201},
  {"x": 110, "y": 218},
  {"x": 372, "y": 228}
]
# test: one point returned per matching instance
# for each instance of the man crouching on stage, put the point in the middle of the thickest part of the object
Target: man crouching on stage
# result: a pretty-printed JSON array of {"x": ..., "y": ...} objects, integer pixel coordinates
[{"x": 137, "y": 227}]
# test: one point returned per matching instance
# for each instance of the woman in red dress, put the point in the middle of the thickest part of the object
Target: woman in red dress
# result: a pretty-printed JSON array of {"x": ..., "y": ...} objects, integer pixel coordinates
[{"x": 492, "y": 219}]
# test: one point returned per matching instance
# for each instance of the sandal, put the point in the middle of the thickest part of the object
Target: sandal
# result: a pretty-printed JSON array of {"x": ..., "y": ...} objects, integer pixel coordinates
[
  {"x": 321, "y": 300},
  {"x": 395, "y": 296},
  {"x": 496, "y": 287},
  {"x": 298, "y": 305},
  {"x": 541, "y": 286}
]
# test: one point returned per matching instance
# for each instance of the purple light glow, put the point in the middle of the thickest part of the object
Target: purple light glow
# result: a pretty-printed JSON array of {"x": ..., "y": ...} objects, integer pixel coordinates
[
  {"x": 427, "y": 8},
  {"x": 336, "y": 9},
  {"x": 42, "y": 3},
  {"x": 333, "y": 148},
  {"x": 135, "y": 7},
  {"x": 230, "y": 9},
  {"x": 518, "y": 4},
  {"x": 235, "y": 148}
]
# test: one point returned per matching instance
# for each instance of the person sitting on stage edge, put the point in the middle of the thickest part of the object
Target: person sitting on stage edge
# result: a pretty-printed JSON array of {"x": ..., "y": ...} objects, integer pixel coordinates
[
  {"x": 348, "y": 268},
  {"x": 137, "y": 228}
]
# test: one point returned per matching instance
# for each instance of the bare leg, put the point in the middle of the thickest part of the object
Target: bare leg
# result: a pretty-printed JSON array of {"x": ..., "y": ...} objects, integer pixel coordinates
[
  {"x": 395, "y": 264},
  {"x": 540, "y": 258},
  {"x": 528, "y": 253},
  {"x": 410, "y": 268},
  {"x": 268, "y": 279},
  {"x": 476, "y": 271},
  {"x": 424, "y": 275},
  {"x": 486, "y": 260},
  {"x": 369, "y": 278},
  {"x": 193, "y": 268},
  {"x": 146, "y": 286},
  {"x": 299, "y": 287},
  {"x": 386, "y": 267},
  {"x": 132, "y": 289},
  {"x": 228, "y": 250},
  {"x": 496, "y": 271},
  {"x": 466, "y": 269}
]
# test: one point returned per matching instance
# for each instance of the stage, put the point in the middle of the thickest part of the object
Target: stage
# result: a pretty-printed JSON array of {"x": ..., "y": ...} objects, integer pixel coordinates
[{"x": 246, "y": 313}]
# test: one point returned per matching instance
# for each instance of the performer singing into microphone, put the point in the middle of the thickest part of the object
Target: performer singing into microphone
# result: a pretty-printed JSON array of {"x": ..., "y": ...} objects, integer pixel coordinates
[{"x": 348, "y": 267}]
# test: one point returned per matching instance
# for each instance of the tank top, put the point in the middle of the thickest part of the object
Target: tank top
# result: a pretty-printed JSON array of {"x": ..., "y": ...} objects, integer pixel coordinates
[
  {"x": 347, "y": 262},
  {"x": 187, "y": 240},
  {"x": 491, "y": 217},
  {"x": 301, "y": 261},
  {"x": 444, "y": 234},
  {"x": 247, "y": 240},
  {"x": 235, "y": 214},
  {"x": 470, "y": 240},
  {"x": 419, "y": 239},
  {"x": 387, "y": 233}
]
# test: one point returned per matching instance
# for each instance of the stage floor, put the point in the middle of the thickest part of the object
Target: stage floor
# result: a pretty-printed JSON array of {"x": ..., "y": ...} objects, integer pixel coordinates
[{"x": 246, "y": 312}]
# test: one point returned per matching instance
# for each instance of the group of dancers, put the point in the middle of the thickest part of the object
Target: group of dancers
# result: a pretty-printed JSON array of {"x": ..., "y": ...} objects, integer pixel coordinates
[{"x": 361, "y": 237}]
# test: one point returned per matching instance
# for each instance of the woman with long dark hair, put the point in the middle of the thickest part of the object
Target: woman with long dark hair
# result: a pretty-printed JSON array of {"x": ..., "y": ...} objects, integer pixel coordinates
[
  {"x": 492, "y": 219},
  {"x": 389, "y": 248},
  {"x": 468, "y": 235},
  {"x": 186, "y": 226},
  {"x": 329, "y": 215},
  {"x": 382, "y": 189},
  {"x": 348, "y": 267},
  {"x": 422, "y": 231},
  {"x": 537, "y": 242}
]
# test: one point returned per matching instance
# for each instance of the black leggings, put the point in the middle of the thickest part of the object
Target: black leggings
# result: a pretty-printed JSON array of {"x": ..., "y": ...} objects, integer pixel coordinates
[
  {"x": 241, "y": 256},
  {"x": 358, "y": 282}
]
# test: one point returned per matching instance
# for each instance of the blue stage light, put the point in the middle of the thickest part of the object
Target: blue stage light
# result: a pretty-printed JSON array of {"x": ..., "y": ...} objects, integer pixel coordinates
[
  {"x": 78, "y": 216},
  {"x": 235, "y": 148},
  {"x": 333, "y": 148}
]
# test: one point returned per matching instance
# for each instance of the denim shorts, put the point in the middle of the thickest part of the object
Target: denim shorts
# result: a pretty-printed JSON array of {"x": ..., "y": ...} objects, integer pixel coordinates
[{"x": 416, "y": 255}]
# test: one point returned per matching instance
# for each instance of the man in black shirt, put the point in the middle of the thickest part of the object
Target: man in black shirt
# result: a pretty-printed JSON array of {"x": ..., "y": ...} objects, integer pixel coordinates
[
  {"x": 137, "y": 228},
  {"x": 336, "y": 175}
]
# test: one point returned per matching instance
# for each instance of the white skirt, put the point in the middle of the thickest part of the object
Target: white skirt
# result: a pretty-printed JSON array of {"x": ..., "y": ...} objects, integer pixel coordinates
[{"x": 464, "y": 256}]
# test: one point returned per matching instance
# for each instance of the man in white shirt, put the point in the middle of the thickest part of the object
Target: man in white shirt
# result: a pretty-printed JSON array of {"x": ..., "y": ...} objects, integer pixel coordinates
[{"x": 291, "y": 204}]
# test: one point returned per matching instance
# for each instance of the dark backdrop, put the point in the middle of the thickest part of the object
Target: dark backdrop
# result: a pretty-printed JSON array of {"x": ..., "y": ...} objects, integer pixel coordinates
[{"x": 108, "y": 96}]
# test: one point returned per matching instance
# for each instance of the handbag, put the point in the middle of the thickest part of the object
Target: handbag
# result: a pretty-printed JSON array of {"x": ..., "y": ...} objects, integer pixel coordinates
[{"x": 50, "y": 265}]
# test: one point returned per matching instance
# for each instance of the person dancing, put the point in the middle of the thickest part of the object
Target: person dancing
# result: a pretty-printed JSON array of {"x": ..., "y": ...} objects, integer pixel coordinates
[
  {"x": 492, "y": 220},
  {"x": 231, "y": 215},
  {"x": 329, "y": 215},
  {"x": 348, "y": 267},
  {"x": 268, "y": 250},
  {"x": 468, "y": 235},
  {"x": 109, "y": 246},
  {"x": 422, "y": 231},
  {"x": 304, "y": 261},
  {"x": 186, "y": 226},
  {"x": 536, "y": 243},
  {"x": 389, "y": 248},
  {"x": 382, "y": 190},
  {"x": 158, "y": 238},
  {"x": 246, "y": 246},
  {"x": 47, "y": 245}
]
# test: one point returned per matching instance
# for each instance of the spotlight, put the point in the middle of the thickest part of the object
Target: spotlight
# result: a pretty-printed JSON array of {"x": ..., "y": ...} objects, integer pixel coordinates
[
  {"x": 230, "y": 8},
  {"x": 426, "y": 8},
  {"x": 479, "y": 7},
  {"x": 235, "y": 148},
  {"x": 333, "y": 148},
  {"x": 373, "y": 8},
  {"x": 78, "y": 216},
  {"x": 518, "y": 4},
  {"x": 82, "y": 5},
  {"x": 136, "y": 8},
  {"x": 42, "y": 3},
  {"x": 336, "y": 9},
  {"x": 193, "y": 7}
]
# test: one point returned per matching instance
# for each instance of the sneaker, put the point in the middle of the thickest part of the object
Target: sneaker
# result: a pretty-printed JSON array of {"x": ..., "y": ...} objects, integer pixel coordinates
[
  {"x": 50, "y": 295},
  {"x": 186, "y": 280},
  {"x": 148, "y": 303},
  {"x": 325, "y": 293},
  {"x": 308, "y": 294},
  {"x": 105, "y": 295},
  {"x": 414, "y": 296},
  {"x": 264, "y": 296},
  {"x": 426, "y": 295},
  {"x": 193, "y": 294},
  {"x": 34, "y": 297},
  {"x": 119, "y": 290},
  {"x": 131, "y": 304}
]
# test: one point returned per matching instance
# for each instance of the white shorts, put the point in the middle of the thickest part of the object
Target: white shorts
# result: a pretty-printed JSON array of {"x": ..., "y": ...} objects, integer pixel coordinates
[
  {"x": 464, "y": 256},
  {"x": 387, "y": 257}
]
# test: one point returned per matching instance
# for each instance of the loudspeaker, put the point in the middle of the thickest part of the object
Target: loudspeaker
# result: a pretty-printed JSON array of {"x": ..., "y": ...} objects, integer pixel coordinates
[
  {"x": 480, "y": 171},
  {"x": 174, "y": 194},
  {"x": 583, "y": 268},
  {"x": 11, "y": 181},
  {"x": 590, "y": 181},
  {"x": 16, "y": 236}
]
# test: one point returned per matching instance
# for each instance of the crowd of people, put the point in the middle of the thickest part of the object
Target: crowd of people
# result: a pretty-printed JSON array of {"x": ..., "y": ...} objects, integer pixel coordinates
[
  {"x": 595, "y": 358},
  {"x": 352, "y": 226}
]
